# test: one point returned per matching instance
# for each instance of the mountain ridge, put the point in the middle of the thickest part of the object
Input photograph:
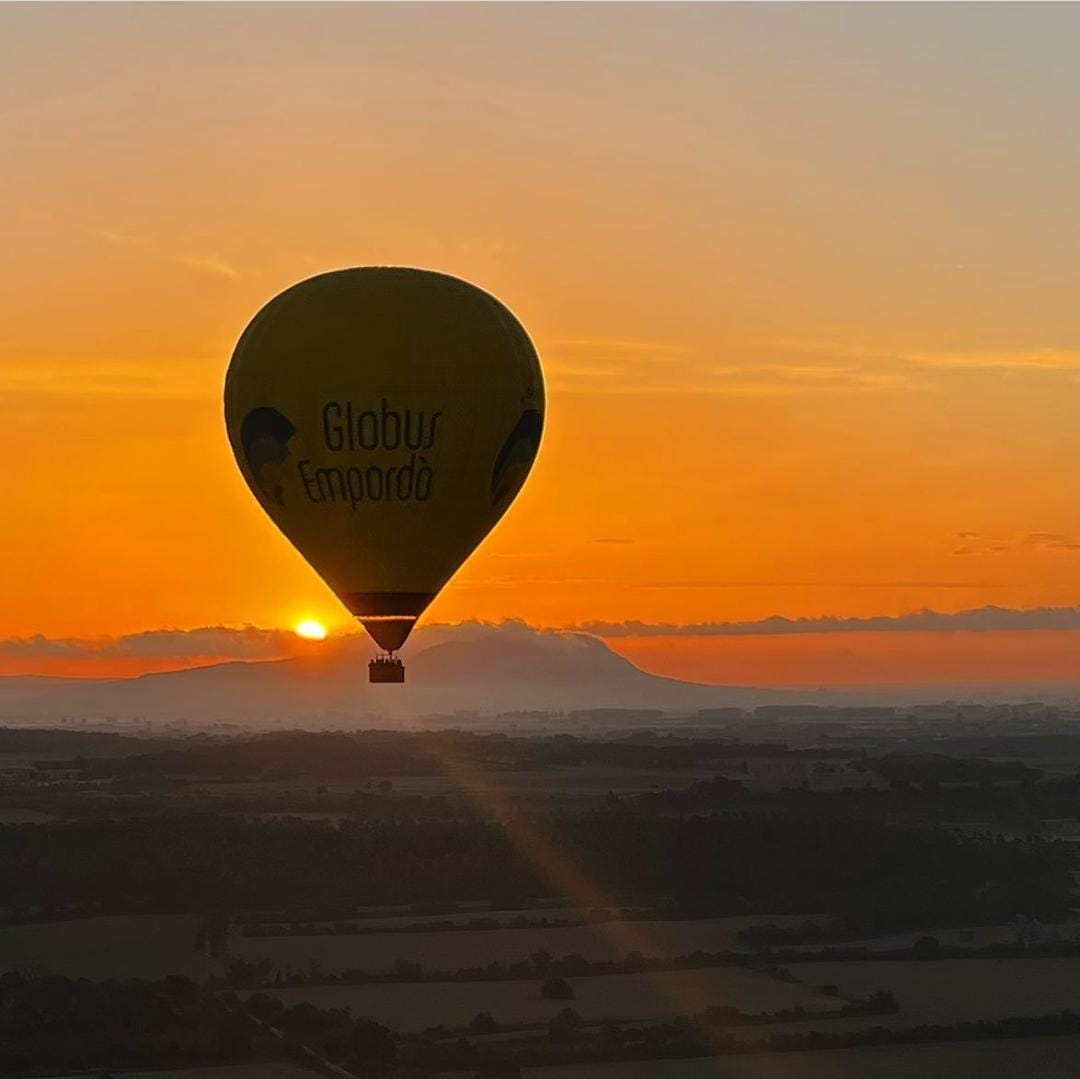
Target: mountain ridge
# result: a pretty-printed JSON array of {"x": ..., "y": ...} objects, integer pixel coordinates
[{"x": 479, "y": 669}]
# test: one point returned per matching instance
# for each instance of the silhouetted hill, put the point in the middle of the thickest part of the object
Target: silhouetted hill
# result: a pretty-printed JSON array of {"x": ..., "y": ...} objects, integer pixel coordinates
[
  {"x": 519, "y": 656},
  {"x": 475, "y": 669}
]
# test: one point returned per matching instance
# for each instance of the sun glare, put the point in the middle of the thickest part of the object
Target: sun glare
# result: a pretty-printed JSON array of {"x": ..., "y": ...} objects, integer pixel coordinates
[{"x": 311, "y": 630}]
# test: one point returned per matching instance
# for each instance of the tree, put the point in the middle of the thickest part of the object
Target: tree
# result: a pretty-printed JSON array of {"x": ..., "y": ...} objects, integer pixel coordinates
[
  {"x": 483, "y": 1023},
  {"x": 554, "y": 988},
  {"x": 497, "y": 1069},
  {"x": 926, "y": 948},
  {"x": 541, "y": 960}
]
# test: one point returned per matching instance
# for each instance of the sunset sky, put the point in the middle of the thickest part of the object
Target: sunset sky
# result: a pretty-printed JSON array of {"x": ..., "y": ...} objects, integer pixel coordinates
[{"x": 804, "y": 282}]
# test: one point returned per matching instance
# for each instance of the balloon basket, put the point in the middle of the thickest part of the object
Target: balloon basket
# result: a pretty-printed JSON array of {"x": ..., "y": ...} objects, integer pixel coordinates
[{"x": 386, "y": 669}]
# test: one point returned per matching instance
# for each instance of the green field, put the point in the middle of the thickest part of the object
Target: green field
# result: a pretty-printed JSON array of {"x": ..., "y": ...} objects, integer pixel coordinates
[
  {"x": 952, "y": 990},
  {"x": 125, "y": 946},
  {"x": 262, "y": 1070},
  {"x": 1022, "y": 1058},
  {"x": 24, "y": 816}
]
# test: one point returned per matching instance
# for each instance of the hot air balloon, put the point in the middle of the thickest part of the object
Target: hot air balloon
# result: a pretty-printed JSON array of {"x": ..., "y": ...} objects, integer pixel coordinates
[{"x": 385, "y": 418}]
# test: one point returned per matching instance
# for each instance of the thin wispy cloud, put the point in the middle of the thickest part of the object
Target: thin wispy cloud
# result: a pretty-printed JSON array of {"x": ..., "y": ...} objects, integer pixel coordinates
[
  {"x": 615, "y": 344},
  {"x": 980, "y": 543},
  {"x": 211, "y": 264},
  {"x": 1036, "y": 359},
  {"x": 99, "y": 378},
  {"x": 631, "y": 368},
  {"x": 976, "y": 620},
  {"x": 517, "y": 581},
  {"x": 1027, "y": 359},
  {"x": 210, "y": 642},
  {"x": 124, "y": 239}
]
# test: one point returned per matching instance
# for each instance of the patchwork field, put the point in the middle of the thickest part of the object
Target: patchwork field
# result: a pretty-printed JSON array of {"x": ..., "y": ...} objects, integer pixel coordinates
[
  {"x": 1022, "y": 1058},
  {"x": 128, "y": 946},
  {"x": 412, "y": 1007}
]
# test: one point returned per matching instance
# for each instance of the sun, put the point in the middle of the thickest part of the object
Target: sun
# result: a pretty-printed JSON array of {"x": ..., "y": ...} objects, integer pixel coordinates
[{"x": 311, "y": 630}]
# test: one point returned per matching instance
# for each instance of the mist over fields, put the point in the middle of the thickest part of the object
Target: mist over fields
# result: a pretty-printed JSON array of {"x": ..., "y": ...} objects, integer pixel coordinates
[{"x": 452, "y": 672}]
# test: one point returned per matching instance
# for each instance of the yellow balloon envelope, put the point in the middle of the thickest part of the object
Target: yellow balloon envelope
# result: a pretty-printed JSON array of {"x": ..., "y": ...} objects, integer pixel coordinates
[{"x": 385, "y": 418}]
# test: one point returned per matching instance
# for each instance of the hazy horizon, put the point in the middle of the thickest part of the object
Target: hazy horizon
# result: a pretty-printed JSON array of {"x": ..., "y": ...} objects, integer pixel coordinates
[{"x": 864, "y": 664}]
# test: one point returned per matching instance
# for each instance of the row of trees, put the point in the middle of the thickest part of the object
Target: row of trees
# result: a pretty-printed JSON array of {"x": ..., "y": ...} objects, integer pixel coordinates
[
  {"x": 388, "y": 753},
  {"x": 569, "y": 1040},
  {"x": 541, "y": 965},
  {"x": 254, "y": 926},
  {"x": 551, "y": 971},
  {"x": 912, "y": 795},
  {"x": 878, "y": 878}
]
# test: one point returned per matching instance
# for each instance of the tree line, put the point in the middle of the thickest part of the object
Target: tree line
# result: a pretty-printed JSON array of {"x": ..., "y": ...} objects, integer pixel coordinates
[{"x": 877, "y": 877}]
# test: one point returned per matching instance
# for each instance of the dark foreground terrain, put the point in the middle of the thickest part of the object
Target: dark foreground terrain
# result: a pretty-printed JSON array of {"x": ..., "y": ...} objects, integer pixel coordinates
[{"x": 701, "y": 889}]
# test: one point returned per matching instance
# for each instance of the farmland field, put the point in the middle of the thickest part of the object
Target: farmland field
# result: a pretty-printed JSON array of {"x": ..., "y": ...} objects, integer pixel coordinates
[
  {"x": 23, "y": 816},
  {"x": 416, "y": 1006},
  {"x": 262, "y": 1070},
  {"x": 369, "y": 918},
  {"x": 951, "y": 990},
  {"x": 124, "y": 946},
  {"x": 1022, "y": 1058},
  {"x": 974, "y": 937},
  {"x": 460, "y": 948}
]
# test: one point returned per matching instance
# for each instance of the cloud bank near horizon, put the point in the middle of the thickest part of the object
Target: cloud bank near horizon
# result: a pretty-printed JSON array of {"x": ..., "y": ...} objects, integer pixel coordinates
[
  {"x": 256, "y": 643},
  {"x": 976, "y": 620},
  {"x": 207, "y": 642}
]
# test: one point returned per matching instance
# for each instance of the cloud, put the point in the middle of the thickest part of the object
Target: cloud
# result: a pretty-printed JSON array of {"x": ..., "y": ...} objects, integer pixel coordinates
[
  {"x": 222, "y": 643},
  {"x": 976, "y": 620},
  {"x": 204, "y": 262},
  {"x": 1025, "y": 359},
  {"x": 209, "y": 642},
  {"x": 1030, "y": 359},
  {"x": 517, "y": 581},
  {"x": 637, "y": 366},
  {"x": 783, "y": 366},
  {"x": 984, "y": 543},
  {"x": 209, "y": 263},
  {"x": 124, "y": 239},
  {"x": 103, "y": 378},
  {"x": 615, "y": 344}
]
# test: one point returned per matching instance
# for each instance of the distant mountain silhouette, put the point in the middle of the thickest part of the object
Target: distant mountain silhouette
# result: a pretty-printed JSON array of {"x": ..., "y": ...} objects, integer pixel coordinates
[{"x": 485, "y": 669}]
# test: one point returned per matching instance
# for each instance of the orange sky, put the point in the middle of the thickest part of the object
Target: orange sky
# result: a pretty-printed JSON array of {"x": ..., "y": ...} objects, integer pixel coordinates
[{"x": 803, "y": 281}]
